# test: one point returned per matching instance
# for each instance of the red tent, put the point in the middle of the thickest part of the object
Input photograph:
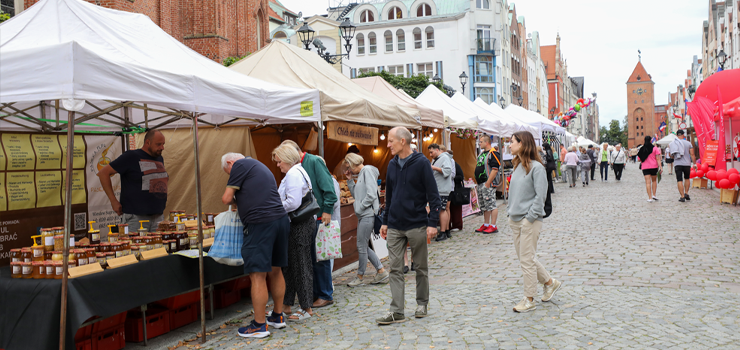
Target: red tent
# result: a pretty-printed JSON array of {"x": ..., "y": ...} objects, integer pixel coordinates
[{"x": 728, "y": 82}]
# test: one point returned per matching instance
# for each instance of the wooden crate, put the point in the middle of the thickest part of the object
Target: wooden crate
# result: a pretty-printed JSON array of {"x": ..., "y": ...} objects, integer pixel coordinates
[
  {"x": 699, "y": 183},
  {"x": 728, "y": 196}
]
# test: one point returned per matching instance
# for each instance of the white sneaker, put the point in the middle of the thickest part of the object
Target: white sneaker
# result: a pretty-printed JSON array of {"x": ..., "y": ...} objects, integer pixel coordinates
[
  {"x": 655, "y": 198},
  {"x": 650, "y": 200},
  {"x": 525, "y": 305}
]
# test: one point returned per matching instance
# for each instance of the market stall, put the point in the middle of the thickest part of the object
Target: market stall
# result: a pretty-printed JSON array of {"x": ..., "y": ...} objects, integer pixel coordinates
[{"x": 78, "y": 76}]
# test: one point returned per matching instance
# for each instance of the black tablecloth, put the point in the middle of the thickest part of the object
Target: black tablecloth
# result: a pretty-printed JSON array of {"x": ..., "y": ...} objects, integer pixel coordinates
[{"x": 30, "y": 309}]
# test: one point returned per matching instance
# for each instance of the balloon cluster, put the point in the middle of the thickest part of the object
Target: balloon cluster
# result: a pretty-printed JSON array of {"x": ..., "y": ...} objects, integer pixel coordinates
[
  {"x": 564, "y": 118},
  {"x": 723, "y": 179}
]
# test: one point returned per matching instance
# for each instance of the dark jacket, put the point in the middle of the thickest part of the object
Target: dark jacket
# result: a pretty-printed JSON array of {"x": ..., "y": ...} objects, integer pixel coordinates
[
  {"x": 592, "y": 155},
  {"x": 408, "y": 189},
  {"x": 459, "y": 177}
]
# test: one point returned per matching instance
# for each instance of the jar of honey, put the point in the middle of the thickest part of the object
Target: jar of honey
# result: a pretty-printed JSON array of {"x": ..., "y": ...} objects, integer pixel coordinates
[
  {"x": 184, "y": 241},
  {"x": 47, "y": 236},
  {"x": 123, "y": 229},
  {"x": 26, "y": 255},
  {"x": 105, "y": 248},
  {"x": 15, "y": 255},
  {"x": 58, "y": 270},
  {"x": 39, "y": 271},
  {"x": 157, "y": 239},
  {"x": 172, "y": 243},
  {"x": 26, "y": 270},
  {"x": 136, "y": 252},
  {"x": 49, "y": 266},
  {"x": 117, "y": 249},
  {"x": 126, "y": 247},
  {"x": 193, "y": 240},
  {"x": 149, "y": 242},
  {"x": 101, "y": 258},
  {"x": 72, "y": 259},
  {"x": 37, "y": 253},
  {"x": 59, "y": 242},
  {"x": 48, "y": 255},
  {"x": 16, "y": 269},
  {"x": 57, "y": 256},
  {"x": 110, "y": 255},
  {"x": 113, "y": 237},
  {"x": 91, "y": 258},
  {"x": 94, "y": 236}
]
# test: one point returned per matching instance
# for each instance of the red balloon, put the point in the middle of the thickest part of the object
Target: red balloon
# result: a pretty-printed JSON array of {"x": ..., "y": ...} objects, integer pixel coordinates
[
  {"x": 700, "y": 173},
  {"x": 705, "y": 167},
  {"x": 721, "y": 175},
  {"x": 692, "y": 174},
  {"x": 712, "y": 175},
  {"x": 726, "y": 80},
  {"x": 734, "y": 178},
  {"x": 724, "y": 184},
  {"x": 732, "y": 171}
]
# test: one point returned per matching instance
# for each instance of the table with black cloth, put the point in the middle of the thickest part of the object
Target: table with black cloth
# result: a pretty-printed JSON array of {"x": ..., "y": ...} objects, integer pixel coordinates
[{"x": 30, "y": 308}]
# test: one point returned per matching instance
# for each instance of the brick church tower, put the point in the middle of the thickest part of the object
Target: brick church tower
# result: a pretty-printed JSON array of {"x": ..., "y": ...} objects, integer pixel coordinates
[
  {"x": 214, "y": 28},
  {"x": 640, "y": 106}
]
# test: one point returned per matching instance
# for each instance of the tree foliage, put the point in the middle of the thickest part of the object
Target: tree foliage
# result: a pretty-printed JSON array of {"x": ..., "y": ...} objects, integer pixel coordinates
[
  {"x": 233, "y": 59},
  {"x": 413, "y": 85},
  {"x": 4, "y": 16},
  {"x": 614, "y": 134}
]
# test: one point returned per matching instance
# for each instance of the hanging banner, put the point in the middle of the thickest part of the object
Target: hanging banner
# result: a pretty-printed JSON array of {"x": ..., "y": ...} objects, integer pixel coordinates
[
  {"x": 353, "y": 133},
  {"x": 711, "y": 152},
  {"x": 100, "y": 152}
]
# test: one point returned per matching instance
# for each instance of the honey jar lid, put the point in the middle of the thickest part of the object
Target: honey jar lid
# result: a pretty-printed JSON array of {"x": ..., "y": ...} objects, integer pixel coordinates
[
  {"x": 27, "y": 249},
  {"x": 59, "y": 237}
]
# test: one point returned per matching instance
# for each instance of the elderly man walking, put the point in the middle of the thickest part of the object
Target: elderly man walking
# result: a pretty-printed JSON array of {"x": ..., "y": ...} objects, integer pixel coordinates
[
  {"x": 409, "y": 187},
  {"x": 442, "y": 168}
]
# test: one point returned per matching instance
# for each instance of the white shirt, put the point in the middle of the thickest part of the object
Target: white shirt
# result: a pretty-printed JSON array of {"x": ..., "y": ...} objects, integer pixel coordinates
[{"x": 293, "y": 187}]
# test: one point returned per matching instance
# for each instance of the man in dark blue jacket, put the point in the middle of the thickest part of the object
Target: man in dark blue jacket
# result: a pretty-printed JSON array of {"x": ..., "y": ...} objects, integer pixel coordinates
[{"x": 409, "y": 187}]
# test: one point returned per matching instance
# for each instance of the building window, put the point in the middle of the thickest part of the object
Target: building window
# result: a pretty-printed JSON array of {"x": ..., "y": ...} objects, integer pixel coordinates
[
  {"x": 484, "y": 69},
  {"x": 373, "y": 42},
  {"x": 484, "y": 38},
  {"x": 425, "y": 69},
  {"x": 388, "y": 41},
  {"x": 367, "y": 70},
  {"x": 423, "y": 10},
  {"x": 367, "y": 16},
  {"x": 401, "y": 40},
  {"x": 485, "y": 94},
  {"x": 482, "y": 4},
  {"x": 430, "y": 36},
  {"x": 396, "y": 70},
  {"x": 395, "y": 13},
  {"x": 360, "y": 44},
  {"x": 417, "y": 38}
]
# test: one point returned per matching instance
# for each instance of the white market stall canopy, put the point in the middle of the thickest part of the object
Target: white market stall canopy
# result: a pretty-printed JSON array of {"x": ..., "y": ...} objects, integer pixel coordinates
[
  {"x": 430, "y": 117},
  {"x": 341, "y": 98},
  {"x": 584, "y": 142},
  {"x": 666, "y": 140},
  {"x": 487, "y": 121},
  {"x": 532, "y": 118},
  {"x": 501, "y": 114},
  {"x": 454, "y": 116},
  {"x": 118, "y": 69}
]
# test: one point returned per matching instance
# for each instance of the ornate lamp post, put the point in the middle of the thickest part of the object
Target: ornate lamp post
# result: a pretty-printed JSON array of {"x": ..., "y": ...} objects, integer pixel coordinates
[
  {"x": 347, "y": 32},
  {"x": 722, "y": 59},
  {"x": 463, "y": 80},
  {"x": 502, "y": 101},
  {"x": 305, "y": 35},
  {"x": 436, "y": 78}
]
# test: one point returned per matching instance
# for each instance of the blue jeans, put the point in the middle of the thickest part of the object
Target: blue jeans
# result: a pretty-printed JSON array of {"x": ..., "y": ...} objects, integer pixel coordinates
[
  {"x": 604, "y": 168},
  {"x": 322, "y": 282}
]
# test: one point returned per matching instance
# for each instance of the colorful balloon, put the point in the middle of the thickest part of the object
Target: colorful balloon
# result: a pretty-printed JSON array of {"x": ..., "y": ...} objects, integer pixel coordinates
[
  {"x": 734, "y": 178},
  {"x": 705, "y": 167},
  {"x": 721, "y": 175},
  {"x": 712, "y": 175},
  {"x": 692, "y": 174},
  {"x": 577, "y": 108},
  {"x": 724, "y": 184},
  {"x": 733, "y": 171},
  {"x": 700, "y": 173}
]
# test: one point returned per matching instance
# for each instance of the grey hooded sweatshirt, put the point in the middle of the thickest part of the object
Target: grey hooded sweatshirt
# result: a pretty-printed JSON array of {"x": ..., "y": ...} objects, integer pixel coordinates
[{"x": 365, "y": 191}]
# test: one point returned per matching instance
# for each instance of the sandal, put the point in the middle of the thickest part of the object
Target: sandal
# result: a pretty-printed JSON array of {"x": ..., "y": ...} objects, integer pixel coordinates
[{"x": 299, "y": 315}]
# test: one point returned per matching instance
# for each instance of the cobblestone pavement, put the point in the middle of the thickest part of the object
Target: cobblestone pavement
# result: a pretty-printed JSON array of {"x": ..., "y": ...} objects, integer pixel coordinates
[{"x": 636, "y": 275}]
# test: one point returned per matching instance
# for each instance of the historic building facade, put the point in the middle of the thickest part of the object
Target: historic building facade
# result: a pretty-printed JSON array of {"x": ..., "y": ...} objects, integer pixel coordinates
[{"x": 640, "y": 106}]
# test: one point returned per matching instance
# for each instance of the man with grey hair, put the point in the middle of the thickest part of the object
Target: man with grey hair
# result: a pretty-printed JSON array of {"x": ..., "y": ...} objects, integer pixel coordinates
[
  {"x": 442, "y": 169},
  {"x": 253, "y": 189},
  {"x": 409, "y": 187}
]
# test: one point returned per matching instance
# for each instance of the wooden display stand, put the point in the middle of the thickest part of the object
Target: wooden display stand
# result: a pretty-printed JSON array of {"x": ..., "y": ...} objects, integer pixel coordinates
[
  {"x": 84, "y": 270},
  {"x": 728, "y": 196},
  {"x": 208, "y": 242},
  {"x": 122, "y": 261},
  {"x": 153, "y": 254},
  {"x": 699, "y": 183}
]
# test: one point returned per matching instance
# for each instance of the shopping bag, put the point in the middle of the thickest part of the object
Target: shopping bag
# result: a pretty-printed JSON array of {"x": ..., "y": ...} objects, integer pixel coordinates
[
  {"x": 329, "y": 242},
  {"x": 227, "y": 246}
]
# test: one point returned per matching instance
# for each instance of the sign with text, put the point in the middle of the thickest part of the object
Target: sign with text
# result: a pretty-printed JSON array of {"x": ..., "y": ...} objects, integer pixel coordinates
[
  {"x": 348, "y": 132},
  {"x": 711, "y": 152}
]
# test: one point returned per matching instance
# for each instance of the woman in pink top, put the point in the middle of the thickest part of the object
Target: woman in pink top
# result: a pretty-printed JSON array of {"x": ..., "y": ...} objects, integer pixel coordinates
[
  {"x": 571, "y": 164},
  {"x": 651, "y": 165}
]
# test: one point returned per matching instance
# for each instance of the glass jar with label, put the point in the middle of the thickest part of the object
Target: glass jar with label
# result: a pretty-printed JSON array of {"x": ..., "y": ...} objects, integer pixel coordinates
[
  {"x": 105, "y": 247},
  {"x": 100, "y": 257},
  {"x": 158, "y": 241},
  {"x": 26, "y": 255},
  {"x": 39, "y": 271},
  {"x": 117, "y": 249},
  {"x": 48, "y": 255},
  {"x": 47, "y": 236},
  {"x": 57, "y": 256},
  {"x": 110, "y": 255},
  {"x": 112, "y": 237},
  {"x": 126, "y": 247},
  {"x": 72, "y": 259},
  {"x": 59, "y": 242},
  {"x": 193, "y": 240},
  {"x": 172, "y": 243},
  {"x": 15, "y": 255},
  {"x": 94, "y": 236},
  {"x": 15, "y": 269},
  {"x": 149, "y": 241},
  {"x": 58, "y": 270},
  {"x": 37, "y": 253},
  {"x": 136, "y": 252},
  {"x": 49, "y": 267},
  {"x": 91, "y": 258},
  {"x": 26, "y": 270}
]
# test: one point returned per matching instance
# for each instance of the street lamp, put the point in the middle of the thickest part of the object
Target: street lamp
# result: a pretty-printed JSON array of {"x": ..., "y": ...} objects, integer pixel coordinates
[
  {"x": 436, "y": 78},
  {"x": 305, "y": 34},
  {"x": 520, "y": 100},
  {"x": 722, "y": 59},
  {"x": 348, "y": 32},
  {"x": 692, "y": 90},
  {"x": 463, "y": 80},
  {"x": 502, "y": 101}
]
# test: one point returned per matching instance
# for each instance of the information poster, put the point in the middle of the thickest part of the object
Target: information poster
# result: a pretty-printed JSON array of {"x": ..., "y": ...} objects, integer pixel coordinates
[
  {"x": 48, "y": 188},
  {"x": 79, "y": 195},
  {"x": 48, "y": 152},
  {"x": 3, "y": 198},
  {"x": 78, "y": 155},
  {"x": 21, "y": 190},
  {"x": 19, "y": 152},
  {"x": 711, "y": 153},
  {"x": 100, "y": 152}
]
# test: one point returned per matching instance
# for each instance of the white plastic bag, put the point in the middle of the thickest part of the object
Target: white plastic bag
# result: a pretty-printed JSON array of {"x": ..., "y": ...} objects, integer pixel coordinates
[{"x": 227, "y": 246}]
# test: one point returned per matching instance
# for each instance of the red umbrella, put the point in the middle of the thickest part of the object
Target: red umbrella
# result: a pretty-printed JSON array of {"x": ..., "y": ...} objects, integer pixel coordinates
[{"x": 727, "y": 80}]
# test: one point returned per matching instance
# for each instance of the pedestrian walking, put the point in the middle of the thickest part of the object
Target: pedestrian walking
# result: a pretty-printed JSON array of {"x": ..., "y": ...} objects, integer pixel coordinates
[
  {"x": 367, "y": 204},
  {"x": 650, "y": 157},
  {"x": 585, "y": 161},
  {"x": 486, "y": 172},
  {"x": 669, "y": 159},
  {"x": 564, "y": 174},
  {"x": 550, "y": 166},
  {"x": 409, "y": 185},
  {"x": 456, "y": 219},
  {"x": 603, "y": 159},
  {"x": 617, "y": 159},
  {"x": 528, "y": 191},
  {"x": 253, "y": 189},
  {"x": 683, "y": 159},
  {"x": 442, "y": 170},
  {"x": 592, "y": 154},
  {"x": 571, "y": 165}
]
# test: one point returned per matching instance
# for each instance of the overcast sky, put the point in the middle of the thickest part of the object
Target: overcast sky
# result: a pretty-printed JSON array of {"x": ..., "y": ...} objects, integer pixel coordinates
[{"x": 600, "y": 40}]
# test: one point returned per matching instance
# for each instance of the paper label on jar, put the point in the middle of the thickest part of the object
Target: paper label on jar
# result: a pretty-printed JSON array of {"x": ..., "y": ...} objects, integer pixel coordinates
[
  {"x": 59, "y": 270},
  {"x": 173, "y": 246},
  {"x": 27, "y": 270},
  {"x": 157, "y": 246},
  {"x": 16, "y": 270},
  {"x": 38, "y": 252},
  {"x": 49, "y": 240},
  {"x": 210, "y": 218},
  {"x": 183, "y": 241},
  {"x": 95, "y": 236},
  {"x": 27, "y": 260},
  {"x": 91, "y": 260},
  {"x": 15, "y": 260},
  {"x": 119, "y": 254},
  {"x": 42, "y": 270},
  {"x": 50, "y": 270},
  {"x": 71, "y": 242},
  {"x": 125, "y": 229},
  {"x": 81, "y": 262}
]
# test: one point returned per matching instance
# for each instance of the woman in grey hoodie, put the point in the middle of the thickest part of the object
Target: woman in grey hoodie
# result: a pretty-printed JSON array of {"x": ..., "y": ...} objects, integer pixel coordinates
[
  {"x": 585, "y": 161},
  {"x": 527, "y": 194},
  {"x": 367, "y": 204}
]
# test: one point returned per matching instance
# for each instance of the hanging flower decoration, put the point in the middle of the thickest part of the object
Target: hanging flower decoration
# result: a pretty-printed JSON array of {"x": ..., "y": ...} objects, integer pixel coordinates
[{"x": 466, "y": 133}]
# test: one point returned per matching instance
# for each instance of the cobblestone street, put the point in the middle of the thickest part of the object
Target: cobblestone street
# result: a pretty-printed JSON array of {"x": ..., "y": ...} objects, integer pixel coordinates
[{"x": 636, "y": 275}]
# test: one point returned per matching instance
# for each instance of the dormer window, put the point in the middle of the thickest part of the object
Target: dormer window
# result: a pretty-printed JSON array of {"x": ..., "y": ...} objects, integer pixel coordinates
[
  {"x": 424, "y": 10},
  {"x": 367, "y": 16},
  {"x": 395, "y": 13}
]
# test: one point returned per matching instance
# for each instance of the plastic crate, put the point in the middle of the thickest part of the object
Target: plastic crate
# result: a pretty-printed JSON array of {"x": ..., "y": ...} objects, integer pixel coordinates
[
  {"x": 183, "y": 316},
  {"x": 181, "y": 300},
  {"x": 84, "y": 344},
  {"x": 237, "y": 284},
  {"x": 109, "y": 323},
  {"x": 223, "y": 298},
  {"x": 157, "y": 323},
  {"x": 112, "y": 339},
  {"x": 83, "y": 333}
]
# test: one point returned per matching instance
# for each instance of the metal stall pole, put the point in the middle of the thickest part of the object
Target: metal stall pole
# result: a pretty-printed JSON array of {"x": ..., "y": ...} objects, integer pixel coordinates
[
  {"x": 67, "y": 227},
  {"x": 732, "y": 156},
  {"x": 321, "y": 139},
  {"x": 199, "y": 207}
]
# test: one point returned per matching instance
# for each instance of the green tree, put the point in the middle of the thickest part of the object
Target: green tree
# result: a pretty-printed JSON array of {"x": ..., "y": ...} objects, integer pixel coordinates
[
  {"x": 614, "y": 134},
  {"x": 4, "y": 16},
  {"x": 413, "y": 85},
  {"x": 233, "y": 59}
]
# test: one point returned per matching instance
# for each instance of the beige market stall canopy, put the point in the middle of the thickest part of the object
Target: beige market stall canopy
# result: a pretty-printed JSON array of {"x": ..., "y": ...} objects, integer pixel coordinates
[
  {"x": 433, "y": 118},
  {"x": 341, "y": 98}
]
